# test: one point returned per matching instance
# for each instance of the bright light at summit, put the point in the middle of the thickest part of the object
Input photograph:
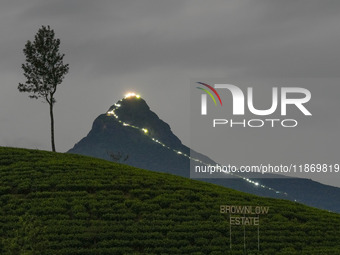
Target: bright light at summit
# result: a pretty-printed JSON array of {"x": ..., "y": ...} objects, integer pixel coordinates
[
  {"x": 146, "y": 131},
  {"x": 131, "y": 94}
]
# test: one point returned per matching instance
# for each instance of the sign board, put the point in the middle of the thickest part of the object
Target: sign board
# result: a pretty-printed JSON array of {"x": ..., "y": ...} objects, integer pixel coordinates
[
  {"x": 245, "y": 215},
  {"x": 255, "y": 211}
]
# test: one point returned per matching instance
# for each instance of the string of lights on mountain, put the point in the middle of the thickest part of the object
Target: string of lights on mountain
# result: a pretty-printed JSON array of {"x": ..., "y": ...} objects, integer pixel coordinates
[{"x": 146, "y": 132}]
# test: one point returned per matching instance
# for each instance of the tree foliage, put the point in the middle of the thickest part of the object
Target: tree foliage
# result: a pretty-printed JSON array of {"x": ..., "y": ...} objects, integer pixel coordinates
[{"x": 44, "y": 69}]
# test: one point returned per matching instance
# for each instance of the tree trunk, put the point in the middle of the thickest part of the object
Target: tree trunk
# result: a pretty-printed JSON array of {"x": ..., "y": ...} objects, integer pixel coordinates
[{"x": 52, "y": 126}]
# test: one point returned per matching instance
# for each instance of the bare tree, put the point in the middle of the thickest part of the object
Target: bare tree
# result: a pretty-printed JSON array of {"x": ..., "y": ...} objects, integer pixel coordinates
[{"x": 118, "y": 157}]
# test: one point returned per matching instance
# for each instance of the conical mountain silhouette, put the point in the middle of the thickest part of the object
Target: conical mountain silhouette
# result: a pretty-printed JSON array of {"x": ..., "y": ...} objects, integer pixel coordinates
[
  {"x": 138, "y": 136},
  {"x": 130, "y": 133}
]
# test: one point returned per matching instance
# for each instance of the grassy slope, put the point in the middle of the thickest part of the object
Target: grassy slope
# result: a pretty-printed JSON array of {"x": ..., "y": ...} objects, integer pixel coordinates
[{"x": 69, "y": 204}]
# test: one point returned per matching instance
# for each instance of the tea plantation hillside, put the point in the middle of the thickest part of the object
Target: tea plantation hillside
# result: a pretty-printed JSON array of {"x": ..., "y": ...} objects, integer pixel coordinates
[{"x": 52, "y": 203}]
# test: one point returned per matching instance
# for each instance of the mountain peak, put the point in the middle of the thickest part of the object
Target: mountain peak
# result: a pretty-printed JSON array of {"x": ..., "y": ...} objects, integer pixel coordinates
[
  {"x": 130, "y": 127},
  {"x": 130, "y": 104},
  {"x": 135, "y": 134},
  {"x": 133, "y": 111}
]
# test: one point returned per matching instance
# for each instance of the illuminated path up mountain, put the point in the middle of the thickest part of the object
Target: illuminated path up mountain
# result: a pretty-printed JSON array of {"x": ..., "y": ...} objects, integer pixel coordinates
[{"x": 146, "y": 132}]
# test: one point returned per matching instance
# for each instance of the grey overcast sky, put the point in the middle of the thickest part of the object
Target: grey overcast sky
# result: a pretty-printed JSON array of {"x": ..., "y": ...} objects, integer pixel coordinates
[{"x": 155, "y": 48}]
